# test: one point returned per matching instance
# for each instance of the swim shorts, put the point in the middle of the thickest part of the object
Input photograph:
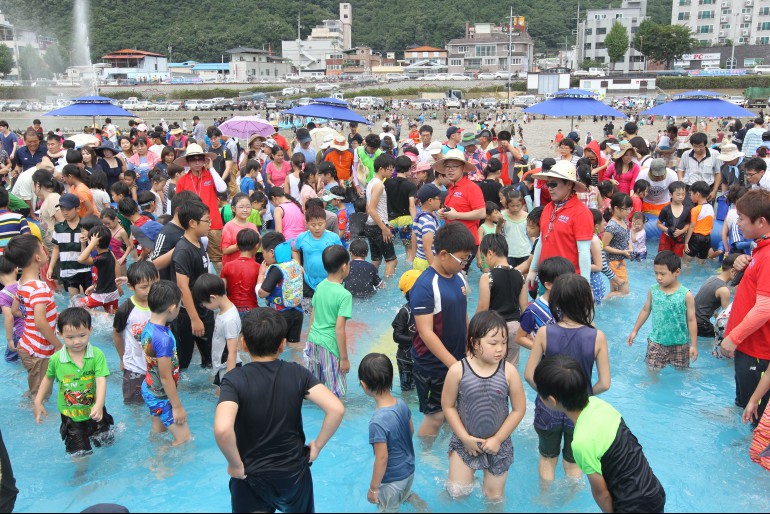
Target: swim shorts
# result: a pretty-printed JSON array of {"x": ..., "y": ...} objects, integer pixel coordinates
[
  {"x": 160, "y": 408},
  {"x": 659, "y": 356},
  {"x": 78, "y": 435}
]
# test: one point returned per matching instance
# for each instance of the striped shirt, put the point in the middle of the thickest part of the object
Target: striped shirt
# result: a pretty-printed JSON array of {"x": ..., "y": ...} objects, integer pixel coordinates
[
  {"x": 68, "y": 241},
  {"x": 30, "y": 294},
  {"x": 11, "y": 224},
  {"x": 425, "y": 223}
]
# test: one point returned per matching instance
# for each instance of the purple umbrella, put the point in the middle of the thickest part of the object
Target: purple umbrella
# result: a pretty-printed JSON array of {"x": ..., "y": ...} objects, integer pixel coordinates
[{"x": 243, "y": 127}]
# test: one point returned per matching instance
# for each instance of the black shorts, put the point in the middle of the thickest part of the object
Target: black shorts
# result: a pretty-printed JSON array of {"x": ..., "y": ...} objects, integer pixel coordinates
[
  {"x": 429, "y": 391},
  {"x": 705, "y": 329},
  {"x": 294, "y": 319},
  {"x": 78, "y": 435},
  {"x": 549, "y": 443},
  {"x": 748, "y": 372},
  {"x": 378, "y": 247},
  {"x": 515, "y": 261},
  {"x": 218, "y": 376},
  {"x": 699, "y": 246},
  {"x": 81, "y": 280},
  {"x": 287, "y": 493}
]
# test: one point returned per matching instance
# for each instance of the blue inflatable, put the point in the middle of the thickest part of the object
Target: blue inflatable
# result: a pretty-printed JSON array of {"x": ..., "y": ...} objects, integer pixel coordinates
[{"x": 653, "y": 232}]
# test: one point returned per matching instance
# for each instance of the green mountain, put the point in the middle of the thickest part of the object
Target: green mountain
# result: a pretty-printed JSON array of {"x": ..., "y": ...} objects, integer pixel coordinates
[{"x": 203, "y": 29}]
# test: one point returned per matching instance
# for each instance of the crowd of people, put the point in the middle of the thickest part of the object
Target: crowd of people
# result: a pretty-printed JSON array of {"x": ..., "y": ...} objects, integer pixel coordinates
[{"x": 245, "y": 249}]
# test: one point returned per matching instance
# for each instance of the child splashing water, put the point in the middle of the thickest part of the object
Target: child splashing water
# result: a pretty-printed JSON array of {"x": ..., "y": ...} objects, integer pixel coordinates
[{"x": 479, "y": 418}]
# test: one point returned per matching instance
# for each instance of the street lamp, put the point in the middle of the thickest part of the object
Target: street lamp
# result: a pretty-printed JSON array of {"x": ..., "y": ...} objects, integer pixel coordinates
[{"x": 732, "y": 52}]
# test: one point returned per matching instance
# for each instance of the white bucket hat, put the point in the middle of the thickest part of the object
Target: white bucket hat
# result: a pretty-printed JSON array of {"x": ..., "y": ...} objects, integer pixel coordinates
[
  {"x": 454, "y": 155},
  {"x": 728, "y": 152},
  {"x": 193, "y": 149},
  {"x": 564, "y": 170}
]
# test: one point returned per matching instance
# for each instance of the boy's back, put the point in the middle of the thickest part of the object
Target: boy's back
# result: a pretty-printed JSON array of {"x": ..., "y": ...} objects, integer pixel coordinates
[
  {"x": 536, "y": 315},
  {"x": 391, "y": 425},
  {"x": 702, "y": 216},
  {"x": 241, "y": 276},
  {"x": 331, "y": 301},
  {"x": 363, "y": 279},
  {"x": 268, "y": 427}
]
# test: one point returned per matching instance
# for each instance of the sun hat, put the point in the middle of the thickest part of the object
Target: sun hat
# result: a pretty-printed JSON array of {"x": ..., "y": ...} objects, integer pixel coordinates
[
  {"x": 728, "y": 152},
  {"x": 454, "y": 155},
  {"x": 175, "y": 132},
  {"x": 327, "y": 141},
  {"x": 625, "y": 147},
  {"x": 470, "y": 139},
  {"x": 69, "y": 201},
  {"x": 99, "y": 150},
  {"x": 421, "y": 166},
  {"x": 141, "y": 127},
  {"x": 328, "y": 197},
  {"x": 453, "y": 130},
  {"x": 408, "y": 279},
  {"x": 193, "y": 149},
  {"x": 428, "y": 191},
  {"x": 339, "y": 143},
  {"x": 252, "y": 138},
  {"x": 658, "y": 168},
  {"x": 434, "y": 147},
  {"x": 564, "y": 170}
]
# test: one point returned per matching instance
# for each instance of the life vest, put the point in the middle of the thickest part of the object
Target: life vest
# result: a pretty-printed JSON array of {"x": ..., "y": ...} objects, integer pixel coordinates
[
  {"x": 368, "y": 161},
  {"x": 287, "y": 295}
]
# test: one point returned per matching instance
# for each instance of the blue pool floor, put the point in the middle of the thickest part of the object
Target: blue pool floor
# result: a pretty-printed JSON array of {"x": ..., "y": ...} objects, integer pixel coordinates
[{"x": 686, "y": 421}]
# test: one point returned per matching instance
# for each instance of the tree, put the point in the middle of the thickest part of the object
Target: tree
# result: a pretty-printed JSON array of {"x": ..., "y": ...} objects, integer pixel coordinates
[
  {"x": 664, "y": 43},
  {"x": 616, "y": 42},
  {"x": 7, "y": 62},
  {"x": 32, "y": 65},
  {"x": 55, "y": 60},
  {"x": 591, "y": 63}
]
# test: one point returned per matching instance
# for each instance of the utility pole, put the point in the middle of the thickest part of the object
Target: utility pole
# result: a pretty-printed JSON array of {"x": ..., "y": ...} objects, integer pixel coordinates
[
  {"x": 299, "y": 48},
  {"x": 578, "y": 51},
  {"x": 510, "y": 53}
]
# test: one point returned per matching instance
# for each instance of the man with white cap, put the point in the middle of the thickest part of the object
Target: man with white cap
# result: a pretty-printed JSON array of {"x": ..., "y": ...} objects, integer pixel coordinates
[
  {"x": 386, "y": 133},
  {"x": 566, "y": 224},
  {"x": 659, "y": 177},
  {"x": 732, "y": 166}
]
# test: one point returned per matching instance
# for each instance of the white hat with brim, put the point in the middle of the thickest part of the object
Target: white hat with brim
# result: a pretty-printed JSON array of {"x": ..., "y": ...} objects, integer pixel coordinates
[
  {"x": 339, "y": 143},
  {"x": 454, "y": 155},
  {"x": 564, "y": 170},
  {"x": 253, "y": 137},
  {"x": 434, "y": 147},
  {"x": 192, "y": 150},
  {"x": 729, "y": 152}
]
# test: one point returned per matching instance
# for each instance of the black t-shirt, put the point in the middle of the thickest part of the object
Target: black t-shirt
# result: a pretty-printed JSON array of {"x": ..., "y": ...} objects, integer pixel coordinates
[
  {"x": 268, "y": 426},
  {"x": 272, "y": 279},
  {"x": 505, "y": 285},
  {"x": 105, "y": 277},
  {"x": 363, "y": 279},
  {"x": 357, "y": 224},
  {"x": 168, "y": 237},
  {"x": 491, "y": 191},
  {"x": 399, "y": 190},
  {"x": 223, "y": 154},
  {"x": 673, "y": 223},
  {"x": 192, "y": 261}
]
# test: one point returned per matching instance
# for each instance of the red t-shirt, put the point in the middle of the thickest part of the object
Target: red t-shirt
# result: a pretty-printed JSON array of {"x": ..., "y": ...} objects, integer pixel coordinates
[
  {"x": 229, "y": 235},
  {"x": 241, "y": 276},
  {"x": 755, "y": 282},
  {"x": 278, "y": 138},
  {"x": 561, "y": 230},
  {"x": 204, "y": 187},
  {"x": 558, "y": 137},
  {"x": 466, "y": 196}
]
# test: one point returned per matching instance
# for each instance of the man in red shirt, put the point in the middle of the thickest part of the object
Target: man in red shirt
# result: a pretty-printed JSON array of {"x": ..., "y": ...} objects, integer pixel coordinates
[
  {"x": 558, "y": 137},
  {"x": 206, "y": 184},
  {"x": 465, "y": 201},
  {"x": 747, "y": 336},
  {"x": 278, "y": 138}
]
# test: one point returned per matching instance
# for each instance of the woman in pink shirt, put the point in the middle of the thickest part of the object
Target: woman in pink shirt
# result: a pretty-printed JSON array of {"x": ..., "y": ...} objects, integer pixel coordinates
[
  {"x": 278, "y": 168},
  {"x": 288, "y": 215},
  {"x": 623, "y": 170}
]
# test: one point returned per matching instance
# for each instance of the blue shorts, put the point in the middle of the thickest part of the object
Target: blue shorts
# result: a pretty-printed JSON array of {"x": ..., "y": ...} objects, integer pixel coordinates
[{"x": 160, "y": 408}]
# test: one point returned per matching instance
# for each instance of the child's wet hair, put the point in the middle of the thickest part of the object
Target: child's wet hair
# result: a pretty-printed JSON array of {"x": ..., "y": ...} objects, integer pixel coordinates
[
  {"x": 247, "y": 240},
  {"x": 676, "y": 186},
  {"x": 571, "y": 297},
  {"x": 73, "y": 317},
  {"x": 142, "y": 271},
  {"x": 496, "y": 243},
  {"x": 334, "y": 258},
  {"x": 104, "y": 234},
  {"x": 639, "y": 216},
  {"x": 668, "y": 259},
  {"x": 89, "y": 222},
  {"x": 482, "y": 324},
  {"x": 641, "y": 185},
  {"x": 534, "y": 215},
  {"x": 562, "y": 378},
  {"x": 127, "y": 207},
  {"x": 359, "y": 248},
  {"x": 598, "y": 216},
  {"x": 108, "y": 213},
  {"x": 263, "y": 331},
  {"x": 315, "y": 213},
  {"x": 271, "y": 240},
  {"x": 727, "y": 263},
  {"x": 163, "y": 294},
  {"x": 191, "y": 211},
  {"x": 553, "y": 267},
  {"x": 376, "y": 371},
  {"x": 21, "y": 249},
  {"x": 492, "y": 207},
  {"x": 700, "y": 187},
  {"x": 206, "y": 286},
  {"x": 606, "y": 188},
  {"x": 6, "y": 266}
]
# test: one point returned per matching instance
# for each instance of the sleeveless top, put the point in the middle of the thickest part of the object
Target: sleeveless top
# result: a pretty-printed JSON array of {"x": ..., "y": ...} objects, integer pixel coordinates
[
  {"x": 706, "y": 301},
  {"x": 116, "y": 246},
  {"x": 293, "y": 223},
  {"x": 516, "y": 236},
  {"x": 288, "y": 294},
  {"x": 482, "y": 402},
  {"x": 505, "y": 284},
  {"x": 669, "y": 317},
  {"x": 578, "y": 343},
  {"x": 293, "y": 185}
]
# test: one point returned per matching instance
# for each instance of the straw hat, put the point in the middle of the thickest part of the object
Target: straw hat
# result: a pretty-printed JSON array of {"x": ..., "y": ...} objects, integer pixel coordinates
[
  {"x": 625, "y": 147},
  {"x": 252, "y": 138},
  {"x": 175, "y": 132},
  {"x": 454, "y": 155},
  {"x": 728, "y": 152},
  {"x": 193, "y": 149},
  {"x": 564, "y": 170},
  {"x": 339, "y": 143}
]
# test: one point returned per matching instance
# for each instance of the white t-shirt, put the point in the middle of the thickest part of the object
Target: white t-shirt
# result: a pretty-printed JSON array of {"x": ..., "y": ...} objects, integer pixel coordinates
[
  {"x": 101, "y": 199},
  {"x": 23, "y": 186},
  {"x": 133, "y": 354},
  {"x": 226, "y": 326},
  {"x": 658, "y": 194},
  {"x": 157, "y": 149}
]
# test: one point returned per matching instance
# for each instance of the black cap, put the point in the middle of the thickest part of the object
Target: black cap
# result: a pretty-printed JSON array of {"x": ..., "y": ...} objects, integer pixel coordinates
[{"x": 548, "y": 163}]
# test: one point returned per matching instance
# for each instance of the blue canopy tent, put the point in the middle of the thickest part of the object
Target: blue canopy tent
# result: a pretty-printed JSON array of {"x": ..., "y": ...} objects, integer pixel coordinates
[
  {"x": 574, "y": 102},
  {"x": 700, "y": 103},
  {"x": 329, "y": 109},
  {"x": 91, "y": 106}
]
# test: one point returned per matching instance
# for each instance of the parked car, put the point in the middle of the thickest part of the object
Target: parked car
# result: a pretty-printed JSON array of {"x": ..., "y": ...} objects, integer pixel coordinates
[
  {"x": 442, "y": 76},
  {"x": 223, "y": 105},
  {"x": 737, "y": 100},
  {"x": 292, "y": 78},
  {"x": 597, "y": 72},
  {"x": 272, "y": 103},
  {"x": 486, "y": 76},
  {"x": 288, "y": 91},
  {"x": 762, "y": 69},
  {"x": 417, "y": 103},
  {"x": 304, "y": 101},
  {"x": 161, "y": 106},
  {"x": 458, "y": 76},
  {"x": 452, "y": 103},
  {"x": 489, "y": 103},
  {"x": 173, "y": 106},
  {"x": 326, "y": 87},
  {"x": 192, "y": 105},
  {"x": 206, "y": 105},
  {"x": 581, "y": 73},
  {"x": 17, "y": 105},
  {"x": 429, "y": 78},
  {"x": 505, "y": 75}
]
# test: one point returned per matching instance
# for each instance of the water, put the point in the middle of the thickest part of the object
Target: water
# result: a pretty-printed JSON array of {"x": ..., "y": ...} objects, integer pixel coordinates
[
  {"x": 81, "y": 53},
  {"x": 686, "y": 422}
]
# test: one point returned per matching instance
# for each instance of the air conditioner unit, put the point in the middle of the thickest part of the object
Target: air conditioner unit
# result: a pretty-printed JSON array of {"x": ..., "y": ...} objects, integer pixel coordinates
[
  {"x": 749, "y": 3},
  {"x": 746, "y": 17},
  {"x": 721, "y": 33},
  {"x": 725, "y": 4},
  {"x": 745, "y": 32},
  {"x": 723, "y": 19}
]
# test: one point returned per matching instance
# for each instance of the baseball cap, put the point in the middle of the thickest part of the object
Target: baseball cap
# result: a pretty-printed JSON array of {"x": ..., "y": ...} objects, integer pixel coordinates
[
  {"x": 141, "y": 127},
  {"x": 328, "y": 197},
  {"x": 408, "y": 279},
  {"x": 428, "y": 191},
  {"x": 385, "y": 124},
  {"x": 548, "y": 163},
  {"x": 434, "y": 147},
  {"x": 485, "y": 133},
  {"x": 574, "y": 136},
  {"x": 658, "y": 168},
  {"x": 69, "y": 201},
  {"x": 453, "y": 130},
  {"x": 303, "y": 136}
]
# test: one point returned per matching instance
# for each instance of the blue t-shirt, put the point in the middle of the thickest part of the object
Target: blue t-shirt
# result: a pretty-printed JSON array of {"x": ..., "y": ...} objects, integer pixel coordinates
[
  {"x": 391, "y": 425},
  {"x": 8, "y": 142},
  {"x": 536, "y": 315},
  {"x": 247, "y": 184},
  {"x": 312, "y": 251},
  {"x": 157, "y": 342},
  {"x": 449, "y": 309}
]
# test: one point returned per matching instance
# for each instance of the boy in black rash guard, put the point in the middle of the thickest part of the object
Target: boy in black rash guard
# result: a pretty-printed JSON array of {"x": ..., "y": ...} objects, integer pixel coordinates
[
  {"x": 104, "y": 293},
  {"x": 674, "y": 220},
  {"x": 604, "y": 448}
]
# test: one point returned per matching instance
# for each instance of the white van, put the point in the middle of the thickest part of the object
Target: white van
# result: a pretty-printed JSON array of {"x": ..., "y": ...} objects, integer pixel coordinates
[
  {"x": 524, "y": 100},
  {"x": 762, "y": 69}
]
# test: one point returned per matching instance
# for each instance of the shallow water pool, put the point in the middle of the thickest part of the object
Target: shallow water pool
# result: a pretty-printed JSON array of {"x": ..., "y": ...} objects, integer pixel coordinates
[{"x": 686, "y": 421}]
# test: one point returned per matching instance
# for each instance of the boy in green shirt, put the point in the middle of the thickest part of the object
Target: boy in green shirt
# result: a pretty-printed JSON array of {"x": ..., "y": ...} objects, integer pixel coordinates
[
  {"x": 603, "y": 446},
  {"x": 326, "y": 352},
  {"x": 81, "y": 371}
]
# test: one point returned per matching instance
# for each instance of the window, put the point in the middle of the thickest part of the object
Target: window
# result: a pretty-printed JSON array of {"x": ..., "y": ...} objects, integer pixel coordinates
[
  {"x": 684, "y": 16},
  {"x": 706, "y": 2},
  {"x": 763, "y": 41},
  {"x": 750, "y": 63},
  {"x": 486, "y": 50},
  {"x": 455, "y": 62},
  {"x": 764, "y": 11},
  {"x": 600, "y": 45},
  {"x": 727, "y": 11},
  {"x": 589, "y": 32},
  {"x": 462, "y": 49},
  {"x": 684, "y": 2},
  {"x": 601, "y": 31},
  {"x": 490, "y": 62},
  {"x": 589, "y": 46},
  {"x": 764, "y": 25},
  {"x": 516, "y": 61},
  {"x": 705, "y": 29}
]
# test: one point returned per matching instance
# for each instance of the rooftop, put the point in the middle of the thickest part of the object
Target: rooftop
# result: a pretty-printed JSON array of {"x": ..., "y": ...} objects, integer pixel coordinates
[
  {"x": 127, "y": 53},
  {"x": 425, "y": 49},
  {"x": 212, "y": 66},
  {"x": 245, "y": 50},
  {"x": 496, "y": 37}
]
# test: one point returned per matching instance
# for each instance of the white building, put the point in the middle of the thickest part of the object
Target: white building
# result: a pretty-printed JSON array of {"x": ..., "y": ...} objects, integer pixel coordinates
[
  {"x": 135, "y": 64},
  {"x": 596, "y": 26},
  {"x": 15, "y": 38},
  {"x": 744, "y": 22},
  {"x": 326, "y": 41},
  {"x": 485, "y": 49},
  {"x": 346, "y": 18},
  {"x": 247, "y": 64}
]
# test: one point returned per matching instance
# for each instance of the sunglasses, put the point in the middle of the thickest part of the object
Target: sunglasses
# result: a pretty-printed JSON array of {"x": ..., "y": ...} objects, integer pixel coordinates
[
  {"x": 552, "y": 185},
  {"x": 197, "y": 158}
]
